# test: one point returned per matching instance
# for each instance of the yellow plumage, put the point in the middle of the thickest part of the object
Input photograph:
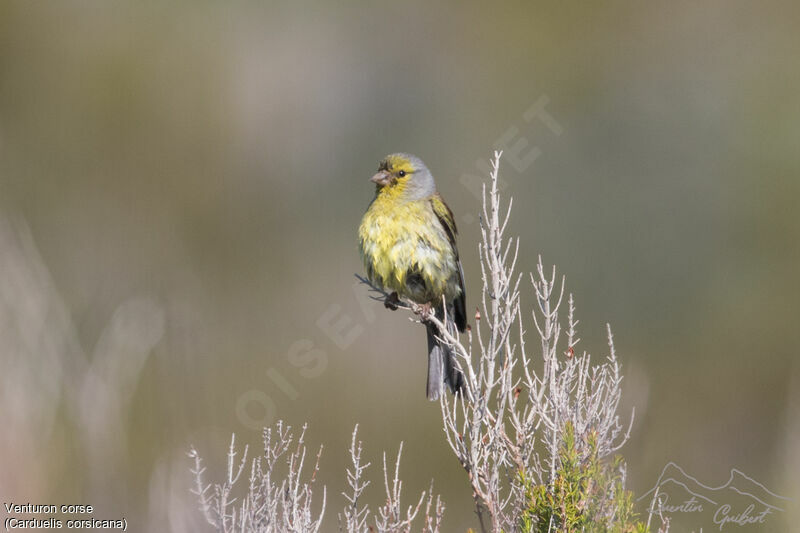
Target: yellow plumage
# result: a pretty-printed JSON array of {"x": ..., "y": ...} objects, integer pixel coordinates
[
  {"x": 407, "y": 241},
  {"x": 399, "y": 238},
  {"x": 404, "y": 235}
]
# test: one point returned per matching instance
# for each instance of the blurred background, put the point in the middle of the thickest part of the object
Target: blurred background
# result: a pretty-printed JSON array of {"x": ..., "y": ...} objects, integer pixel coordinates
[{"x": 181, "y": 184}]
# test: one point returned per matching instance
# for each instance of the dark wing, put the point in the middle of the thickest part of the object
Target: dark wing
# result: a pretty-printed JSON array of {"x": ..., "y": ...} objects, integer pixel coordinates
[{"x": 448, "y": 222}]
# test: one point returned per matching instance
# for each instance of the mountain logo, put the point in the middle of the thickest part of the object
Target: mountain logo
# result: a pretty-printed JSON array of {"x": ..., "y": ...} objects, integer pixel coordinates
[{"x": 741, "y": 502}]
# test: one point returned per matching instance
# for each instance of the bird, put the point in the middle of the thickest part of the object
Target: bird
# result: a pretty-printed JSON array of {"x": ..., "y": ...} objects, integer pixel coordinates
[{"x": 407, "y": 241}]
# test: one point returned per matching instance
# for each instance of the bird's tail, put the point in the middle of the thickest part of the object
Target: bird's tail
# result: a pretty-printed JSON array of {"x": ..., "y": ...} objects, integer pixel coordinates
[{"x": 442, "y": 366}]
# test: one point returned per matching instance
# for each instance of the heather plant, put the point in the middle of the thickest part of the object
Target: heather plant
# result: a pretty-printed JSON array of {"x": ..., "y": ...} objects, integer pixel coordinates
[
  {"x": 537, "y": 428},
  {"x": 587, "y": 494}
]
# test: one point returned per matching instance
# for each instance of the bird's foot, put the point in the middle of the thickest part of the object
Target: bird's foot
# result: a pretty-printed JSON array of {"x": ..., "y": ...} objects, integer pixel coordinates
[
  {"x": 392, "y": 301},
  {"x": 425, "y": 311}
]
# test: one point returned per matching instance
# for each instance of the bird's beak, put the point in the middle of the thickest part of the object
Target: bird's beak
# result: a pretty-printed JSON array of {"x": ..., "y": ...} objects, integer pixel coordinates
[{"x": 382, "y": 178}]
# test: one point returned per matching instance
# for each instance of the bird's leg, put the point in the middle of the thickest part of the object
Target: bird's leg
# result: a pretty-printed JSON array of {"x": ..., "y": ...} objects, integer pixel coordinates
[
  {"x": 392, "y": 301},
  {"x": 425, "y": 311}
]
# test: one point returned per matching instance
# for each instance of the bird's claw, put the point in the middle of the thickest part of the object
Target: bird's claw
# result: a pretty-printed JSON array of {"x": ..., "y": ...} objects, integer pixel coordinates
[
  {"x": 425, "y": 312},
  {"x": 392, "y": 301}
]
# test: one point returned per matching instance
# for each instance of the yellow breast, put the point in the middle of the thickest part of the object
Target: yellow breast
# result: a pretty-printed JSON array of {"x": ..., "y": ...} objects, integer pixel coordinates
[{"x": 403, "y": 242}]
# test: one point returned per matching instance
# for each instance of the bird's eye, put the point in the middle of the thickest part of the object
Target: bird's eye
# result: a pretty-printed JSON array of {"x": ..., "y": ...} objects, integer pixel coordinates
[{"x": 402, "y": 173}]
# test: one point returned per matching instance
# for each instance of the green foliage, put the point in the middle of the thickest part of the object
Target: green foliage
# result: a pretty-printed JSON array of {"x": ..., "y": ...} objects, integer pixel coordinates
[{"x": 587, "y": 494}]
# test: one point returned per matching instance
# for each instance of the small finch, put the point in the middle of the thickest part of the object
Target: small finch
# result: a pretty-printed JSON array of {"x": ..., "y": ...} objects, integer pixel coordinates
[{"x": 407, "y": 240}]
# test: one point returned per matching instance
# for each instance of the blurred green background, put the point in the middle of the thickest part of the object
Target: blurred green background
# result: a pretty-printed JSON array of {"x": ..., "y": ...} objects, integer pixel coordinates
[{"x": 180, "y": 187}]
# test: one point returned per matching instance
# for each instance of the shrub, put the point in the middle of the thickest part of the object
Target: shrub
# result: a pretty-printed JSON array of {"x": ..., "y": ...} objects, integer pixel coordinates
[{"x": 536, "y": 429}]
